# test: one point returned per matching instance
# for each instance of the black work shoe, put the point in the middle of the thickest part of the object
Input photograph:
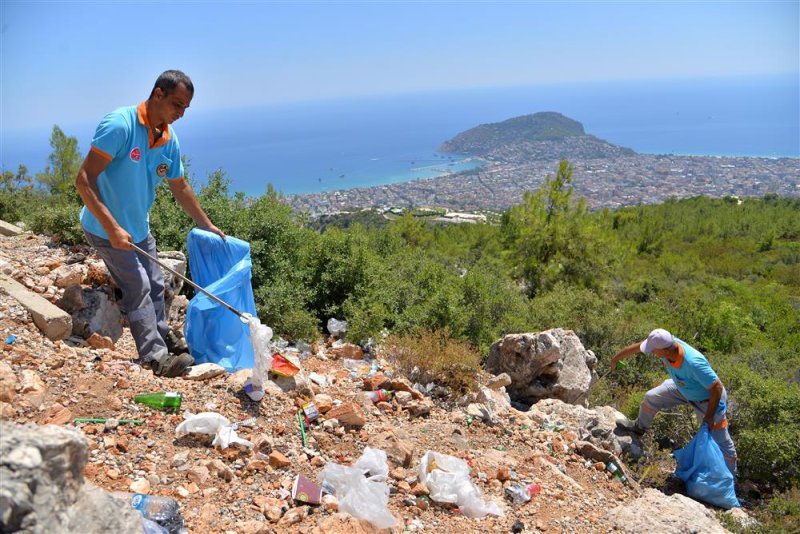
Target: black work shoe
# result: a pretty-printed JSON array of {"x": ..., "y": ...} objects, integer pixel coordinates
[
  {"x": 172, "y": 365},
  {"x": 630, "y": 426},
  {"x": 175, "y": 343}
]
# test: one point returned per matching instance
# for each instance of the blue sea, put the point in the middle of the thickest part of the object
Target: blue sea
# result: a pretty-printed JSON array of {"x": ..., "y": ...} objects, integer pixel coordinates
[{"x": 345, "y": 143}]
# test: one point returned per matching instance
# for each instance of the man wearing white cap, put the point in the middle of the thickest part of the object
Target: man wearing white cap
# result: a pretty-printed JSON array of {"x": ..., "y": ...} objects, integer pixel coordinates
[{"x": 692, "y": 381}]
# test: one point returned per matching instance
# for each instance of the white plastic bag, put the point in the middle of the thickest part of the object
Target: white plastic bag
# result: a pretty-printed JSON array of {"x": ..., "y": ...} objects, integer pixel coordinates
[
  {"x": 212, "y": 423},
  {"x": 447, "y": 479},
  {"x": 336, "y": 327},
  {"x": 260, "y": 336},
  {"x": 359, "y": 496}
]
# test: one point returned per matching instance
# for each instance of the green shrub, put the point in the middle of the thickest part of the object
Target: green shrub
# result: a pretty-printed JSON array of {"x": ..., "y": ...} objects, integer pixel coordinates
[{"x": 59, "y": 221}]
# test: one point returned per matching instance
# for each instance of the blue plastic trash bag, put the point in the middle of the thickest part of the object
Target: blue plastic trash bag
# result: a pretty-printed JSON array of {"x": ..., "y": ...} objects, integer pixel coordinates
[
  {"x": 701, "y": 465},
  {"x": 223, "y": 268}
]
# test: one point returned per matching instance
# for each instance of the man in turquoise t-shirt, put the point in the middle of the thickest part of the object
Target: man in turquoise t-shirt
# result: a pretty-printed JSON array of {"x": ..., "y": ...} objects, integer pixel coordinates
[
  {"x": 133, "y": 149},
  {"x": 692, "y": 381}
]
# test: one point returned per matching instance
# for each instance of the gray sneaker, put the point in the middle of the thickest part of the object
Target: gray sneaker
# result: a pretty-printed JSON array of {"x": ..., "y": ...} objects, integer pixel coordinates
[
  {"x": 630, "y": 426},
  {"x": 171, "y": 365}
]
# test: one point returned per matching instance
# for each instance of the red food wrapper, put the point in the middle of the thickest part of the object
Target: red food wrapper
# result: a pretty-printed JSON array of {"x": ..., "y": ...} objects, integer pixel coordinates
[
  {"x": 283, "y": 367},
  {"x": 304, "y": 490}
]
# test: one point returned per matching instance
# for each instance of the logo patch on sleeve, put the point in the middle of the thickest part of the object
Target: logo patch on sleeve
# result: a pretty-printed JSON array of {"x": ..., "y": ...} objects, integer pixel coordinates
[
  {"x": 162, "y": 170},
  {"x": 136, "y": 154}
]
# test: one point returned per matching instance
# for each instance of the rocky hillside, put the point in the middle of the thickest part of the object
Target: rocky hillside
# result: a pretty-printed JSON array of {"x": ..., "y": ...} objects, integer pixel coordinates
[
  {"x": 540, "y": 136},
  {"x": 49, "y": 376}
]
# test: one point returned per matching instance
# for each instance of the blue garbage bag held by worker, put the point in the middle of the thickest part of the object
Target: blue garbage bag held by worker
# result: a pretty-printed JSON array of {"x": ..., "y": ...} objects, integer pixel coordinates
[{"x": 224, "y": 268}]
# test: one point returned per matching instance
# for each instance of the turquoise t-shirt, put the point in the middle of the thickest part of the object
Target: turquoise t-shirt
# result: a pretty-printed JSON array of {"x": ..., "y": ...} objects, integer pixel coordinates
[
  {"x": 136, "y": 165},
  {"x": 693, "y": 375}
]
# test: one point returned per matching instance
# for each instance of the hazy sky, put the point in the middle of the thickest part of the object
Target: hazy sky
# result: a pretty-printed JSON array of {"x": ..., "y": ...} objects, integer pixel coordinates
[{"x": 73, "y": 61}]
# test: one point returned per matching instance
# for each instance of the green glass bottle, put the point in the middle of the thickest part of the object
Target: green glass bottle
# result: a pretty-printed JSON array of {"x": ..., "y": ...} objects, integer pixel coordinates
[
  {"x": 616, "y": 472},
  {"x": 168, "y": 401}
]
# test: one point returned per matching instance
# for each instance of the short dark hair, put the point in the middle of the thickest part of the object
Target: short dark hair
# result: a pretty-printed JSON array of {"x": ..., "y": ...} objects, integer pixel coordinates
[{"x": 169, "y": 80}]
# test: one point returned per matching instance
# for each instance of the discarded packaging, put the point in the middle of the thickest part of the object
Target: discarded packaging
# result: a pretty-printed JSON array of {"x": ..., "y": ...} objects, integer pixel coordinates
[
  {"x": 378, "y": 395},
  {"x": 521, "y": 493},
  {"x": 447, "y": 479},
  {"x": 304, "y": 490},
  {"x": 364, "y": 498},
  {"x": 336, "y": 328},
  {"x": 260, "y": 335},
  {"x": 311, "y": 412},
  {"x": 282, "y": 366},
  {"x": 10, "y": 339},
  {"x": 212, "y": 423},
  {"x": 168, "y": 401}
]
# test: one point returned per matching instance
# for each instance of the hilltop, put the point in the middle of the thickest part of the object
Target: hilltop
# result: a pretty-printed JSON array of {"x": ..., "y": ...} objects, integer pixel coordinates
[{"x": 543, "y": 135}]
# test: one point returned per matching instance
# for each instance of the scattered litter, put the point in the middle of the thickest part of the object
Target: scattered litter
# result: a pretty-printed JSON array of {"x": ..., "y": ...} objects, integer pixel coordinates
[
  {"x": 378, "y": 395},
  {"x": 336, "y": 328},
  {"x": 302, "y": 427},
  {"x": 311, "y": 412},
  {"x": 168, "y": 401},
  {"x": 426, "y": 390},
  {"x": 262, "y": 356},
  {"x": 360, "y": 496},
  {"x": 304, "y": 490},
  {"x": 246, "y": 422},
  {"x": 164, "y": 511},
  {"x": 521, "y": 493},
  {"x": 212, "y": 423},
  {"x": 104, "y": 420},
  {"x": 447, "y": 479},
  {"x": 10, "y": 339},
  {"x": 282, "y": 366},
  {"x": 318, "y": 379}
]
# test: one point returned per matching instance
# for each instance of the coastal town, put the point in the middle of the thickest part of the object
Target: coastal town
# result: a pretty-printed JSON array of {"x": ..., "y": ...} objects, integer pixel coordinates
[{"x": 604, "y": 183}]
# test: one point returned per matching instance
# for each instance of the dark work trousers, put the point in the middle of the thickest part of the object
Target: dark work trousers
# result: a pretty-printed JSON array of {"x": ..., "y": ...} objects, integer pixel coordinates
[
  {"x": 142, "y": 284},
  {"x": 667, "y": 396}
]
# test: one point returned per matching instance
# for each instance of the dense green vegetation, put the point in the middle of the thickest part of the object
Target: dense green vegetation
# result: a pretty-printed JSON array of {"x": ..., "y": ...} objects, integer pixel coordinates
[{"x": 722, "y": 274}]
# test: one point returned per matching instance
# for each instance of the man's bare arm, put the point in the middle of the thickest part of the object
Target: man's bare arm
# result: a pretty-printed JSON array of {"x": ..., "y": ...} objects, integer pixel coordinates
[{"x": 86, "y": 184}]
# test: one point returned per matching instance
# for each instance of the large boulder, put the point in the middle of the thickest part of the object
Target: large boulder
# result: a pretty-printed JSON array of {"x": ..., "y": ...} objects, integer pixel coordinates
[
  {"x": 655, "y": 512},
  {"x": 549, "y": 364},
  {"x": 597, "y": 425},
  {"x": 93, "y": 310},
  {"x": 42, "y": 487}
]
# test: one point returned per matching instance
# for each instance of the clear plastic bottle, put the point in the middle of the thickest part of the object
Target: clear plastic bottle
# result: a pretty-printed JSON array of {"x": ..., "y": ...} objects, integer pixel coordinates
[
  {"x": 162, "y": 400},
  {"x": 161, "y": 510}
]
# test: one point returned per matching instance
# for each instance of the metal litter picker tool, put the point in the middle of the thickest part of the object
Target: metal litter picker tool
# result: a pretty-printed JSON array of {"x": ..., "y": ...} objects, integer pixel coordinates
[{"x": 245, "y": 317}]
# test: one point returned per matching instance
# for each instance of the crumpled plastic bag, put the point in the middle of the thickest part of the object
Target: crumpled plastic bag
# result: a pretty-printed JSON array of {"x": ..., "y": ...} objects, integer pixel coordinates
[
  {"x": 261, "y": 336},
  {"x": 447, "y": 479},
  {"x": 222, "y": 267},
  {"x": 360, "y": 496},
  {"x": 212, "y": 423},
  {"x": 336, "y": 327},
  {"x": 702, "y": 466}
]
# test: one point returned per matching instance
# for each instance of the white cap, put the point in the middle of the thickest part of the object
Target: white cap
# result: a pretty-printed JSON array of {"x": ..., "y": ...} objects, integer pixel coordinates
[{"x": 658, "y": 339}]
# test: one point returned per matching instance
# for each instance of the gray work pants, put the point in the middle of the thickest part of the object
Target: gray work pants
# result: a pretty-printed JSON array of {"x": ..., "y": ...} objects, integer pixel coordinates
[
  {"x": 142, "y": 284},
  {"x": 667, "y": 396}
]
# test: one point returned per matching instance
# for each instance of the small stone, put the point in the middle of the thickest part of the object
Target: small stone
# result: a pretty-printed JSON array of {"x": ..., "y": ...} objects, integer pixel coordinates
[
  {"x": 499, "y": 381},
  {"x": 140, "y": 485},
  {"x": 99, "y": 341},
  {"x": 198, "y": 474},
  {"x": 278, "y": 460}
]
